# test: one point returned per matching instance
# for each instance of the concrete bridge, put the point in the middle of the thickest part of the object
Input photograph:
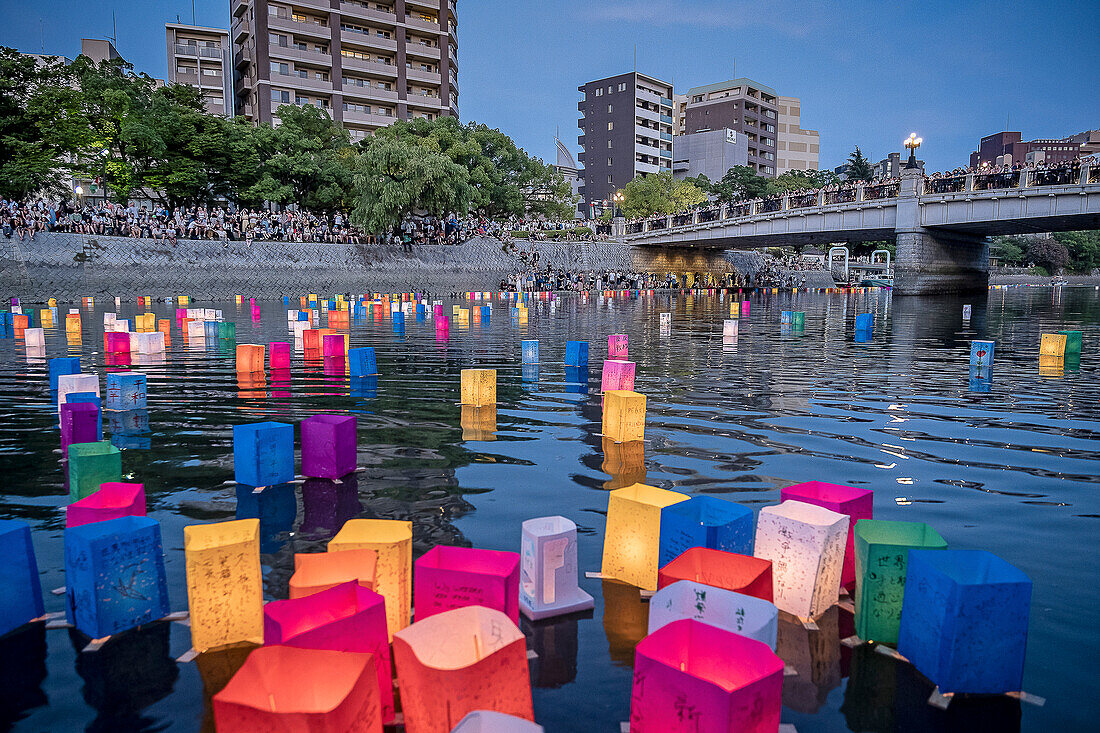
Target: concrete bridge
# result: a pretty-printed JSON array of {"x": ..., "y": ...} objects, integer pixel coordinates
[{"x": 941, "y": 226}]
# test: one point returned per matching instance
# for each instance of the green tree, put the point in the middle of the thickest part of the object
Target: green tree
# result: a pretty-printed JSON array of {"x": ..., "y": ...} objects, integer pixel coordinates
[
  {"x": 394, "y": 178},
  {"x": 659, "y": 193},
  {"x": 1009, "y": 250},
  {"x": 859, "y": 167},
  {"x": 1083, "y": 248},
  {"x": 701, "y": 182},
  {"x": 741, "y": 183}
]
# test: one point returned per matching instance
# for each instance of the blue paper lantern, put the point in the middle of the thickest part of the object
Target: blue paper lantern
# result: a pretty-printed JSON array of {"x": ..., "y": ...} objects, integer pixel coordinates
[
  {"x": 114, "y": 575},
  {"x": 486, "y": 315},
  {"x": 981, "y": 353},
  {"x": 362, "y": 362},
  {"x": 576, "y": 353},
  {"x": 64, "y": 365},
  {"x": 705, "y": 521},
  {"x": 263, "y": 453},
  {"x": 210, "y": 329},
  {"x": 126, "y": 391},
  {"x": 21, "y": 599},
  {"x": 865, "y": 322},
  {"x": 530, "y": 351},
  {"x": 964, "y": 620}
]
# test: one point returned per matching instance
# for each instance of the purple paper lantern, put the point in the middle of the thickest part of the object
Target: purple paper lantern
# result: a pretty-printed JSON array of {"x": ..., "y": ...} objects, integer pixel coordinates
[{"x": 328, "y": 446}]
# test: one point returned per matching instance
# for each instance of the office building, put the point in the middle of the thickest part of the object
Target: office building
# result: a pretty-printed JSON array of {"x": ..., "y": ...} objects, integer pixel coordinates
[
  {"x": 625, "y": 131},
  {"x": 796, "y": 149},
  {"x": 201, "y": 58},
  {"x": 99, "y": 49},
  {"x": 710, "y": 153},
  {"x": 742, "y": 105},
  {"x": 366, "y": 63},
  {"x": 1009, "y": 148}
]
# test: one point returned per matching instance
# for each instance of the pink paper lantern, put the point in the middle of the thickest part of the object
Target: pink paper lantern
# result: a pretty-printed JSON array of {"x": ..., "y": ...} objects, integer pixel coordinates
[
  {"x": 617, "y": 346},
  {"x": 344, "y": 618},
  {"x": 745, "y": 308},
  {"x": 618, "y": 374},
  {"x": 447, "y": 577},
  {"x": 118, "y": 342},
  {"x": 111, "y": 501},
  {"x": 279, "y": 355},
  {"x": 856, "y": 503},
  {"x": 689, "y": 675}
]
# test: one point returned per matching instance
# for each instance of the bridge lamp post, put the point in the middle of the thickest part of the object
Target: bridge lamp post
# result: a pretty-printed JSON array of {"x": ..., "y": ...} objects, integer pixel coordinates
[
  {"x": 913, "y": 142},
  {"x": 618, "y": 200}
]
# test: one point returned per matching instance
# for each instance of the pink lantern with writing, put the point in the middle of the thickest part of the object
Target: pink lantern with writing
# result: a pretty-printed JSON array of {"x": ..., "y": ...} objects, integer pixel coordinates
[
  {"x": 617, "y": 374},
  {"x": 344, "y": 618},
  {"x": 111, "y": 501},
  {"x": 446, "y": 577},
  {"x": 689, "y": 675},
  {"x": 279, "y": 355},
  {"x": 856, "y": 503},
  {"x": 617, "y": 346}
]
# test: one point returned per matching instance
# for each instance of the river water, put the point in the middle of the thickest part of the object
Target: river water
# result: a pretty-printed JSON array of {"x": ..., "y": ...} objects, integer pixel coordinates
[{"x": 1013, "y": 470}]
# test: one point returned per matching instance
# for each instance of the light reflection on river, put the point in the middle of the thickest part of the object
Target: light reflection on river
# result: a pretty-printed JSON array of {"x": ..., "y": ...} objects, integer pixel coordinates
[{"x": 1013, "y": 470}]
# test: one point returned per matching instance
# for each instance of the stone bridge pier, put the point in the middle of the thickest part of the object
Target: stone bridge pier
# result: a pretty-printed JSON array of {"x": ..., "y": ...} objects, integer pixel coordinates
[{"x": 934, "y": 261}]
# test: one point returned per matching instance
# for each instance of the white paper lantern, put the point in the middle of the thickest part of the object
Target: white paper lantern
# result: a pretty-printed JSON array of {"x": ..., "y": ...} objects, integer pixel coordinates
[{"x": 745, "y": 615}]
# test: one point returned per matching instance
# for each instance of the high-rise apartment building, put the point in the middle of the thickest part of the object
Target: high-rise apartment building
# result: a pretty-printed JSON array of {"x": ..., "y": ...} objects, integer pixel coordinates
[
  {"x": 625, "y": 131},
  {"x": 796, "y": 149},
  {"x": 201, "y": 57},
  {"x": 367, "y": 62},
  {"x": 679, "y": 114},
  {"x": 746, "y": 106}
]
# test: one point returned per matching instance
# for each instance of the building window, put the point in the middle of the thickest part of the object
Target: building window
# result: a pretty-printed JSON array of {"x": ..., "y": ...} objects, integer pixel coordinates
[
  {"x": 599, "y": 92},
  {"x": 609, "y": 109},
  {"x": 622, "y": 87},
  {"x": 609, "y": 162},
  {"x": 277, "y": 39},
  {"x": 609, "y": 145},
  {"x": 609, "y": 181},
  {"x": 281, "y": 97},
  {"x": 610, "y": 89},
  {"x": 610, "y": 125}
]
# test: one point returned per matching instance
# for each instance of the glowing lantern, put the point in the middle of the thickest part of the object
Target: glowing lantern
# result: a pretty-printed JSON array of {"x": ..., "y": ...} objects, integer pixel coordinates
[
  {"x": 751, "y": 576},
  {"x": 742, "y": 614},
  {"x": 318, "y": 571},
  {"x": 855, "y": 502},
  {"x": 328, "y": 446},
  {"x": 459, "y": 661},
  {"x": 278, "y": 355},
  {"x": 250, "y": 358},
  {"x": 80, "y": 423},
  {"x": 334, "y": 344},
  {"x": 21, "y": 600},
  {"x": 225, "y": 591},
  {"x": 92, "y": 464},
  {"x": 1052, "y": 344},
  {"x": 617, "y": 374},
  {"x": 548, "y": 578},
  {"x": 798, "y": 320},
  {"x": 624, "y": 415},
  {"x": 705, "y": 521},
  {"x": 70, "y": 383},
  {"x": 391, "y": 540},
  {"x": 617, "y": 346},
  {"x": 263, "y": 453},
  {"x": 981, "y": 353},
  {"x": 729, "y": 328},
  {"x": 576, "y": 353},
  {"x": 344, "y": 618},
  {"x": 882, "y": 551},
  {"x": 530, "y": 352},
  {"x": 865, "y": 322},
  {"x": 735, "y": 309},
  {"x": 111, "y": 501},
  {"x": 64, "y": 365},
  {"x": 631, "y": 546},
  {"x": 362, "y": 362},
  {"x": 479, "y": 387},
  {"x": 127, "y": 391},
  {"x": 34, "y": 337},
  {"x": 805, "y": 544},
  {"x": 283, "y": 688},
  {"x": 745, "y": 308},
  {"x": 114, "y": 575},
  {"x": 964, "y": 620},
  {"x": 454, "y": 577},
  {"x": 692, "y": 676}
]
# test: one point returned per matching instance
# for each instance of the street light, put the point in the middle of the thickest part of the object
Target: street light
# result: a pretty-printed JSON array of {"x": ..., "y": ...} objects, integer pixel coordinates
[
  {"x": 79, "y": 191},
  {"x": 618, "y": 198},
  {"x": 913, "y": 142}
]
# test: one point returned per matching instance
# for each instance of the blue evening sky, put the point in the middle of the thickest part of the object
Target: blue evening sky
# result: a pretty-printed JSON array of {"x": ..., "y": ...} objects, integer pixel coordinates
[{"x": 868, "y": 73}]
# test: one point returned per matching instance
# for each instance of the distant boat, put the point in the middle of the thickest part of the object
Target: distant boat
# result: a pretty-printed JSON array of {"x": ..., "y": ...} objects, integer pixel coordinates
[{"x": 880, "y": 282}]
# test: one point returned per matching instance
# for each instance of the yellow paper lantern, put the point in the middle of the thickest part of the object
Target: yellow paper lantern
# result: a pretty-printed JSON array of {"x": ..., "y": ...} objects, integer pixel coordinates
[
  {"x": 631, "y": 543},
  {"x": 225, "y": 593},
  {"x": 392, "y": 541},
  {"x": 45, "y": 315},
  {"x": 479, "y": 387},
  {"x": 623, "y": 415},
  {"x": 1052, "y": 344}
]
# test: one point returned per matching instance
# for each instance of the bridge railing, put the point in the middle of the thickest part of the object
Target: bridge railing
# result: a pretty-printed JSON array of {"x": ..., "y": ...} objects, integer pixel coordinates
[
  {"x": 1093, "y": 175},
  {"x": 709, "y": 215},
  {"x": 635, "y": 227},
  {"x": 885, "y": 191},
  {"x": 735, "y": 211},
  {"x": 802, "y": 200},
  {"x": 682, "y": 219},
  {"x": 655, "y": 224},
  {"x": 843, "y": 196},
  {"x": 990, "y": 181},
  {"x": 769, "y": 205},
  {"x": 954, "y": 184},
  {"x": 1054, "y": 177}
]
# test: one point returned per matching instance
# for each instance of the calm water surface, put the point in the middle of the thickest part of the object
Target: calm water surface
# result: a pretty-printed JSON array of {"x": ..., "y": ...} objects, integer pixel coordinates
[{"x": 1013, "y": 470}]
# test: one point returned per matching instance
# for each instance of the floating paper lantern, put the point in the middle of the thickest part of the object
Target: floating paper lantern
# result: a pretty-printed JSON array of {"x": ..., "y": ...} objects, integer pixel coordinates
[
  {"x": 692, "y": 676},
  {"x": 617, "y": 346},
  {"x": 486, "y": 314},
  {"x": 64, "y": 365},
  {"x": 576, "y": 353},
  {"x": 152, "y": 342},
  {"x": 1073, "y": 342},
  {"x": 263, "y": 453},
  {"x": 80, "y": 423},
  {"x": 114, "y": 575},
  {"x": 391, "y": 540},
  {"x": 631, "y": 548},
  {"x": 785, "y": 318},
  {"x": 70, "y": 383},
  {"x": 227, "y": 330},
  {"x": 751, "y": 576},
  {"x": 479, "y": 387},
  {"x": 126, "y": 391},
  {"x": 196, "y": 330},
  {"x": 865, "y": 322},
  {"x": 487, "y": 721},
  {"x": 278, "y": 355},
  {"x": 454, "y": 577},
  {"x": 282, "y": 688},
  {"x": 964, "y": 620},
  {"x": 362, "y": 362},
  {"x": 735, "y": 309},
  {"x": 742, "y": 614},
  {"x": 729, "y": 329},
  {"x": 1052, "y": 344},
  {"x": 530, "y": 352},
  {"x": 705, "y": 521},
  {"x": 111, "y": 501},
  {"x": 855, "y": 502},
  {"x": 745, "y": 308},
  {"x": 318, "y": 571},
  {"x": 548, "y": 579},
  {"x": 334, "y": 344},
  {"x": 666, "y": 319},
  {"x": 462, "y": 660},
  {"x": 250, "y": 358},
  {"x": 92, "y": 464},
  {"x": 805, "y": 544},
  {"x": 224, "y": 583},
  {"x": 21, "y": 600},
  {"x": 344, "y": 618},
  {"x": 981, "y": 353},
  {"x": 617, "y": 374},
  {"x": 798, "y": 320},
  {"x": 34, "y": 337},
  {"x": 882, "y": 551},
  {"x": 967, "y": 310},
  {"x": 328, "y": 446},
  {"x": 210, "y": 330},
  {"x": 624, "y": 415}
]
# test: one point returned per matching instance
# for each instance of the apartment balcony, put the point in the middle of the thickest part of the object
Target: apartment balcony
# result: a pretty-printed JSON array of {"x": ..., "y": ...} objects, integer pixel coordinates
[
  {"x": 364, "y": 118},
  {"x": 303, "y": 83},
  {"x": 240, "y": 29},
  {"x": 370, "y": 94},
  {"x": 666, "y": 154},
  {"x": 667, "y": 119},
  {"x": 580, "y": 140},
  {"x": 361, "y": 13},
  {"x": 646, "y": 148},
  {"x": 363, "y": 40},
  {"x": 580, "y": 106},
  {"x": 640, "y": 167},
  {"x": 666, "y": 136},
  {"x": 411, "y": 21},
  {"x": 648, "y": 96},
  {"x": 293, "y": 54},
  {"x": 421, "y": 51},
  {"x": 424, "y": 77},
  {"x": 191, "y": 80},
  {"x": 423, "y": 5},
  {"x": 666, "y": 102},
  {"x": 387, "y": 70},
  {"x": 424, "y": 101},
  {"x": 321, "y": 6},
  {"x": 299, "y": 28},
  {"x": 646, "y": 114}
]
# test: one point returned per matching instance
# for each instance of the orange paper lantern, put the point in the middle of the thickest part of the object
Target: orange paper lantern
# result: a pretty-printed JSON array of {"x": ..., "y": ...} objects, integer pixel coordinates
[
  {"x": 750, "y": 576},
  {"x": 318, "y": 571}
]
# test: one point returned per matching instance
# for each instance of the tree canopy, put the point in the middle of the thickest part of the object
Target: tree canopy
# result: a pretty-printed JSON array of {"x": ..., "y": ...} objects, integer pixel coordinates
[
  {"x": 859, "y": 168},
  {"x": 660, "y": 193}
]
